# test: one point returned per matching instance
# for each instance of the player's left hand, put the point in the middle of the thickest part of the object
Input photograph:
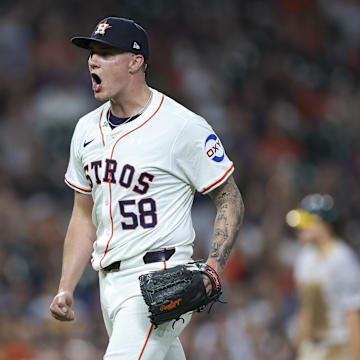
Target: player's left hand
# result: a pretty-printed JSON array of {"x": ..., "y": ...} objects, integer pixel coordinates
[
  {"x": 61, "y": 306},
  {"x": 214, "y": 264},
  {"x": 207, "y": 285},
  {"x": 175, "y": 291}
]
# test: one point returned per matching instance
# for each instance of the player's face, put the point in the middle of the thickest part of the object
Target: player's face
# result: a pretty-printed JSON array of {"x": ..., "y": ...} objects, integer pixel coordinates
[
  {"x": 109, "y": 69},
  {"x": 311, "y": 234}
]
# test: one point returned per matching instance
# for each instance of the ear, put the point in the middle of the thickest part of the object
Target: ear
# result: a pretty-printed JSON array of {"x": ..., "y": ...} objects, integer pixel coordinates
[{"x": 135, "y": 63}]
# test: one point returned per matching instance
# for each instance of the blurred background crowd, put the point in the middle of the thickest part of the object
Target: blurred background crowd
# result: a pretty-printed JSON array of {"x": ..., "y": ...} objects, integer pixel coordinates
[{"x": 279, "y": 82}]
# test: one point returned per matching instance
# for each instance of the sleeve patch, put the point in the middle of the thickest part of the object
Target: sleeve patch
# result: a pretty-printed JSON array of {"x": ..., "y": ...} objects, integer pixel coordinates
[{"x": 213, "y": 148}]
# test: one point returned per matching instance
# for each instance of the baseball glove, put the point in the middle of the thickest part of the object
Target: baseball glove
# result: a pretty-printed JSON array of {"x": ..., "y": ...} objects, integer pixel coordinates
[{"x": 172, "y": 292}]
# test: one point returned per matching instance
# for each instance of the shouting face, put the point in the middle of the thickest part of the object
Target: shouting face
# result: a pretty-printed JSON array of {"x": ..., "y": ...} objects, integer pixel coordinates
[{"x": 110, "y": 70}]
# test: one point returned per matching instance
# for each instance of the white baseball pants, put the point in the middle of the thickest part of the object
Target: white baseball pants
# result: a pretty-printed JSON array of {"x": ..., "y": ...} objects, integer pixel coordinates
[{"x": 131, "y": 334}]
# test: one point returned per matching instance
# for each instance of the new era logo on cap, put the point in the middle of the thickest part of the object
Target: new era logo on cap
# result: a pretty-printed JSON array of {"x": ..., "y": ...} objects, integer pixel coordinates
[{"x": 136, "y": 46}]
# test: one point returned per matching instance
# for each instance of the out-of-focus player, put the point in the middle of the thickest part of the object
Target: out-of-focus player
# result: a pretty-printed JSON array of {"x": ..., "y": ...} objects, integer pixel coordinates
[{"x": 327, "y": 274}]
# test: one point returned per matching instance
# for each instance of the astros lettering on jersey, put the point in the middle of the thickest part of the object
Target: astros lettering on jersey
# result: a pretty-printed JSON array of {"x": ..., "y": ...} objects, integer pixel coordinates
[{"x": 142, "y": 176}]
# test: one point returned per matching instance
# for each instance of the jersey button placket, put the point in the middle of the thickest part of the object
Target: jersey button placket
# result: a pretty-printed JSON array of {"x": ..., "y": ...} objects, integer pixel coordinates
[
  {"x": 107, "y": 203},
  {"x": 106, "y": 209}
]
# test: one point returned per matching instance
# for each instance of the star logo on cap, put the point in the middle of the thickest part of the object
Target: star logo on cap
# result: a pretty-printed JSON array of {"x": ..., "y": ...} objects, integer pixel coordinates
[{"x": 101, "y": 28}]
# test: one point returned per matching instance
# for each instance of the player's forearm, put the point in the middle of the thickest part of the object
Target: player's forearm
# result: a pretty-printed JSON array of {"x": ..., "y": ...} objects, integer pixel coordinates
[
  {"x": 304, "y": 327},
  {"x": 230, "y": 212},
  {"x": 77, "y": 253},
  {"x": 353, "y": 321}
]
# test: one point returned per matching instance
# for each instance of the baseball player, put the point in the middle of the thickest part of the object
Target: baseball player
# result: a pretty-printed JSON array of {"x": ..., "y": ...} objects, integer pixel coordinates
[
  {"x": 135, "y": 164},
  {"x": 327, "y": 273}
]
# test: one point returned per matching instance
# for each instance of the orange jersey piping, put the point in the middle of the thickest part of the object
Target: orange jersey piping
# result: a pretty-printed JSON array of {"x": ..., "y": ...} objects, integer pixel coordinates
[
  {"x": 76, "y": 187},
  {"x": 102, "y": 135},
  {"x": 221, "y": 179},
  {"x": 112, "y": 153}
]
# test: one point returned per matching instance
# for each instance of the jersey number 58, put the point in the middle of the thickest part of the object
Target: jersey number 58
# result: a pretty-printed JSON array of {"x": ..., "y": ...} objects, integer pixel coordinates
[{"x": 145, "y": 213}]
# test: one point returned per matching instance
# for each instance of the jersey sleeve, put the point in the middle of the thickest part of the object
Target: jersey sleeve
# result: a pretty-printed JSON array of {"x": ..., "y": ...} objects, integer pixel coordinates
[
  {"x": 199, "y": 158},
  {"x": 75, "y": 176},
  {"x": 348, "y": 282},
  {"x": 303, "y": 265}
]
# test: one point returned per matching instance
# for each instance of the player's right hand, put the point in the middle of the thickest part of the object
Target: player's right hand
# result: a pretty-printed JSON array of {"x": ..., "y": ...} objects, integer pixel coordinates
[{"x": 61, "y": 306}]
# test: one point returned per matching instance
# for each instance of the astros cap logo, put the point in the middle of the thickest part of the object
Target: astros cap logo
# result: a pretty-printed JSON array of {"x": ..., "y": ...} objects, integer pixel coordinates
[{"x": 101, "y": 28}]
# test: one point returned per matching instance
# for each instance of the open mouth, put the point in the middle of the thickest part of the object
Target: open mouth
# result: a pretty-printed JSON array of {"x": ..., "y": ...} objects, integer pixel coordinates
[{"x": 96, "y": 80}]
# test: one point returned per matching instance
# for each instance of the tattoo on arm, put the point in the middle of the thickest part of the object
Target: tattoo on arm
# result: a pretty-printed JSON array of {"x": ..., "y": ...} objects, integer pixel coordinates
[{"x": 230, "y": 212}]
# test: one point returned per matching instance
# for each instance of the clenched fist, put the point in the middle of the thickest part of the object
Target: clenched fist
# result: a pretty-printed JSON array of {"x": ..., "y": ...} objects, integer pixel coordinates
[{"x": 61, "y": 306}]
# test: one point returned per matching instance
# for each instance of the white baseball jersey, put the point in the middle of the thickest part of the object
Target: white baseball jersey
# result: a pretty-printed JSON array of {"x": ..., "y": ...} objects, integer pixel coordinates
[
  {"x": 329, "y": 286},
  {"x": 142, "y": 176}
]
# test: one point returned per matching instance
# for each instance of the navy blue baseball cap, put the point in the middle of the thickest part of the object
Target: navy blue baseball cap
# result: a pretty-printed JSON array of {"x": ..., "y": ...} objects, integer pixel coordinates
[{"x": 120, "y": 33}]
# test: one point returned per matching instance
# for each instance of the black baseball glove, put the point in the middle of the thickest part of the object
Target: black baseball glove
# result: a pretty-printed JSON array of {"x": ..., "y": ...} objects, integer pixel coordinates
[{"x": 172, "y": 292}]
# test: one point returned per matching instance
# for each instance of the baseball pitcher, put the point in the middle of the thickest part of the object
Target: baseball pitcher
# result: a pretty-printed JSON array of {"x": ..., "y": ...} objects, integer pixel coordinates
[{"x": 135, "y": 164}]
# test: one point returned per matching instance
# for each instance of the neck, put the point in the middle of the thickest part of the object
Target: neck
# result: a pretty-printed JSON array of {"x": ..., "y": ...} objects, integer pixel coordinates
[
  {"x": 325, "y": 245},
  {"x": 131, "y": 101}
]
